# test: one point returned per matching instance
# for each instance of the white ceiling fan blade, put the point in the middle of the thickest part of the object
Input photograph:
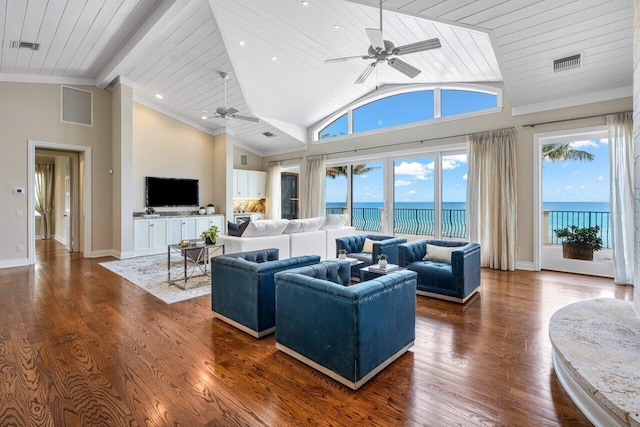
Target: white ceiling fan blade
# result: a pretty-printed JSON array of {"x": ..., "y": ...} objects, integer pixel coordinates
[
  {"x": 230, "y": 110},
  {"x": 403, "y": 67},
  {"x": 375, "y": 37},
  {"x": 365, "y": 73},
  {"x": 417, "y": 47},
  {"x": 346, "y": 58},
  {"x": 247, "y": 118}
]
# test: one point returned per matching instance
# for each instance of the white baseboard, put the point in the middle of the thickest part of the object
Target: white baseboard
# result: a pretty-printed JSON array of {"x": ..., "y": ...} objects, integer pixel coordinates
[
  {"x": 19, "y": 262},
  {"x": 125, "y": 255},
  {"x": 103, "y": 252},
  {"x": 524, "y": 265},
  {"x": 60, "y": 239}
]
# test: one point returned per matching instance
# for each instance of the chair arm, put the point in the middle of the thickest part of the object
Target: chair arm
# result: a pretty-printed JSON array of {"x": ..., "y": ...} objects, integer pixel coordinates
[
  {"x": 353, "y": 244},
  {"x": 411, "y": 252},
  {"x": 389, "y": 247},
  {"x": 268, "y": 266},
  {"x": 468, "y": 253}
]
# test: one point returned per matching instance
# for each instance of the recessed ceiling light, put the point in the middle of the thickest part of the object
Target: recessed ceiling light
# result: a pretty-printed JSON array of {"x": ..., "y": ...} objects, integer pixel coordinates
[
  {"x": 274, "y": 58},
  {"x": 336, "y": 26},
  {"x": 159, "y": 96},
  {"x": 305, "y": 3},
  {"x": 242, "y": 43},
  {"x": 204, "y": 117}
]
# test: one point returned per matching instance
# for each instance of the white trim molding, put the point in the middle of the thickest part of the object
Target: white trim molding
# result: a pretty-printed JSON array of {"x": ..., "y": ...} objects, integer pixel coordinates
[
  {"x": 18, "y": 262},
  {"x": 29, "y": 78}
]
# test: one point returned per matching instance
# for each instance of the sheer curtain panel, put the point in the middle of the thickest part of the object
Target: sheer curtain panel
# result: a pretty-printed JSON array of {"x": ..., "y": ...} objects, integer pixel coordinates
[
  {"x": 44, "y": 195},
  {"x": 491, "y": 197},
  {"x": 274, "y": 190},
  {"x": 313, "y": 196},
  {"x": 621, "y": 195}
]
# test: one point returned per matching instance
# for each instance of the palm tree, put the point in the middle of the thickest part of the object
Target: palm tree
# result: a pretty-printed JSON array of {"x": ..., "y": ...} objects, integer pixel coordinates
[
  {"x": 563, "y": 152},
  {"x": 336, "y": 171}
]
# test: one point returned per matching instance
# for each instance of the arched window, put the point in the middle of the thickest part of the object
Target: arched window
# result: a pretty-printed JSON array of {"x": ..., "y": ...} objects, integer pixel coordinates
[{"x": 410, "y": 105}]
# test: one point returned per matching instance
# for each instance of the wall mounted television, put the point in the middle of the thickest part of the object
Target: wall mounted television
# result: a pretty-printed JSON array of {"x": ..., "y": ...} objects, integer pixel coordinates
[{"x": 162, "y": 192}]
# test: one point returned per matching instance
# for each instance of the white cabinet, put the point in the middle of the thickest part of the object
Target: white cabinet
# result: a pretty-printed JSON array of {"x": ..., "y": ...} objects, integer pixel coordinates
[
  {"x": 150, "y": 236},
  {"x": 182, "y": 228},
  {"x": 249, "y": 184},
  {"x": 255, "y": 216},
  {"x": 205, "y": 222}
]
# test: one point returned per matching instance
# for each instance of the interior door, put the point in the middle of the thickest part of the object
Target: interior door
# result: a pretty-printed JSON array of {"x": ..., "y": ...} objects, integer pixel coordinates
[{"x": 67, "y": 206}]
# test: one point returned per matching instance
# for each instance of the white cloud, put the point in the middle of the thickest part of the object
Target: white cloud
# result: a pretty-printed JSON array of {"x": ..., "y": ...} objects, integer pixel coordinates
[
  {"x": 565, "y": 164},
  {"x": 402, "y": 183},
  {"x": 411, "y": 192},
  {"x": 582, "y": 144},
  {"x": 380, "y": 122},
  {"x": 414, "y": 169},
  {"x": 569, "y": 187},
  {"x": 600, "y": 178},
  {"x": 582, "y": 187},
  {"x": 450, "y": 163},
  {"x": 604, "y": 141},
  {"x": 574, "y": 173},
  {"x": 464, "y": 176}
]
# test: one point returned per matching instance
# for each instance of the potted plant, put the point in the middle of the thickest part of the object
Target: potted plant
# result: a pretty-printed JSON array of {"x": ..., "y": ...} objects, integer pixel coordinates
[
  {"x": 211, "y": 209},
  {"x": 579, "y": 242},
  {"x": 342, "y": 254},
  {"x": 382, "y": 260},
  {"x": 202, "y": 210},
  {"x": 210, "y": 235}
]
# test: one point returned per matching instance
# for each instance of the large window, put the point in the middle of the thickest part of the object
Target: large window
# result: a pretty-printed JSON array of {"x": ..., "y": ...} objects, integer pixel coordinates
[{"x": 414, "y": 104}]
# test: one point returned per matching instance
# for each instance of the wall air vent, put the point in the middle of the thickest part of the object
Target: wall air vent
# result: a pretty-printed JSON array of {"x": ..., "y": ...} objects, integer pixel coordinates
[
  {"x": 19, "y": 44},
  {"x": 567, "y": 63},
  {"x": 268, "y": 134},
  {"x": 76, "y": 106}
]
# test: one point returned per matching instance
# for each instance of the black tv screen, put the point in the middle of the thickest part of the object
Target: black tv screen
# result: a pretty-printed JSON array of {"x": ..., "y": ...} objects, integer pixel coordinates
[{"x": 171, "y": 192}]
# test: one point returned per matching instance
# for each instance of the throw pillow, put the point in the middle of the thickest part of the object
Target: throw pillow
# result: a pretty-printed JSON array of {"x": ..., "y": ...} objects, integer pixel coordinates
[
  {"x": 367, "y": 248},
  {"x": 265, "y": 227},
  {"x": 235, "y": 229},
  {"x": 439, "y": 253},
  {"x": 334, "y": 221}
]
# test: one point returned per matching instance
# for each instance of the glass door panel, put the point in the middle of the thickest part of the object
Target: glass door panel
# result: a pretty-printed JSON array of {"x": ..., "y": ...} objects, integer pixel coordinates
[
  {"x": 414, "y": 198},
  {"x": 368, "y": 196},
  {"x": 337, "y": 189},
  {"x": 454, "y": 196}
]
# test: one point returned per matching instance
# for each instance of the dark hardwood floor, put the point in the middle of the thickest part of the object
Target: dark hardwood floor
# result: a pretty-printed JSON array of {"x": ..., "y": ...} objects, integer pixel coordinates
[{"x": 79, "y": 345}]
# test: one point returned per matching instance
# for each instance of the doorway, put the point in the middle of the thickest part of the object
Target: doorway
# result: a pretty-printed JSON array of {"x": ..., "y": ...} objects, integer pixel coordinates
[
  {"x": 71, "y": 196},
  {"x": 572, "y": 196}
]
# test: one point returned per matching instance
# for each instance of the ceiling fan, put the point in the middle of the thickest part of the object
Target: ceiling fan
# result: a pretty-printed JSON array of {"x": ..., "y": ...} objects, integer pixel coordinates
[
  {"x": 382, "y": 51},
  {"x": 229, "y": 113}
]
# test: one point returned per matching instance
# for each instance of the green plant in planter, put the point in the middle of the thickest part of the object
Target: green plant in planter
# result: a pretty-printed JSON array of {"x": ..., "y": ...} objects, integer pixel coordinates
[
  {"x": 211, "y": 234},
  {"x": 382, "y": 257},
  {"x": 579, "y": 242},
  {"x": 342, "y": 251}
]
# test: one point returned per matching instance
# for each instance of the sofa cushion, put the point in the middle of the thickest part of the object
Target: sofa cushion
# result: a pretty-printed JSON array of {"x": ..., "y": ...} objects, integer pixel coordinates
[
  {"x": 367, "y": 248},
  {"x": 334, "y": 221},
  {"x": 235, "y": 229},
  {"x": 433, "y": 274},
  {"x": 304, "y": 225},
  {"x": 439, "y": 253},
  {"x": 265, "y": 227}
]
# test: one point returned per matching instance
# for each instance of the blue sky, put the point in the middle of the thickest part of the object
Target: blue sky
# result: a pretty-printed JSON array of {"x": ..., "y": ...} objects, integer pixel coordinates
[
  {"x": 413, "y": 182},
  {"x": 578, "y": 181}
]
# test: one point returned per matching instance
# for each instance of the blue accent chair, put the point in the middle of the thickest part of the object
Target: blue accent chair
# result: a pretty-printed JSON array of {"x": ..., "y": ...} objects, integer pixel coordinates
[
  {"x": 456, "y": 281},
  {"x": 387, "y": 245},
  {"x": 349, "y": 333},
  {"x": 243, "y": 290}
]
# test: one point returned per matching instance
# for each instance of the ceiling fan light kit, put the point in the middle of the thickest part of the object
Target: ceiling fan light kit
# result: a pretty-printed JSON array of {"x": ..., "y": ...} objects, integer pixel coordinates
[
  {"x": 228, "y": 113},
  {"x": 382, "y": 51}
]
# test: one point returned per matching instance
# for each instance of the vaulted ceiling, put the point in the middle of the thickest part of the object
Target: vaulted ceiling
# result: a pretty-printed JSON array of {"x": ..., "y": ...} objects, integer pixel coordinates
[{"x": 177, "y": 48}]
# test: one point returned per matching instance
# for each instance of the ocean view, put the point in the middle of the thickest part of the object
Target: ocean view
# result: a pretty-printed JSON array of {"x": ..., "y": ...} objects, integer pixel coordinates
[{"x": 418, "y": 218}]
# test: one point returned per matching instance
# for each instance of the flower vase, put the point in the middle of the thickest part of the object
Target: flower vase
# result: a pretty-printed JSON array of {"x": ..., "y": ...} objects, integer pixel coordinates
[
  {"x": 382, "y": 263},
  {"x": 342, "y": 256},
  {"x": 209, "y": 241}
]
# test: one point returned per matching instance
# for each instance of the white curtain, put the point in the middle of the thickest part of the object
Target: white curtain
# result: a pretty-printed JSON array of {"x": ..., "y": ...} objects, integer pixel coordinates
[
  {"x": 621, "y": 195},
  {"x": 491, "y": 197},
  {"x": 313, "y": 196},
  {"x": 274, "y": 190},
  {"x": 44, "y": 196}
]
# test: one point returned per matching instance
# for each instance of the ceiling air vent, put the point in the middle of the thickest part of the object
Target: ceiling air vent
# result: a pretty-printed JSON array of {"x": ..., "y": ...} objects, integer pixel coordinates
[
  {"x": 19, "y": 44},
  {"x": 567, "y": 63},
  {"x": 268, "y": 134}
]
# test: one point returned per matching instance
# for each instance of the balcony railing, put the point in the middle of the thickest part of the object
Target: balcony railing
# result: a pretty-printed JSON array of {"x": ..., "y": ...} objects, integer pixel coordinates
[
  {"x": 553, "y": 220},
  {"x": 420, "y": 222}
]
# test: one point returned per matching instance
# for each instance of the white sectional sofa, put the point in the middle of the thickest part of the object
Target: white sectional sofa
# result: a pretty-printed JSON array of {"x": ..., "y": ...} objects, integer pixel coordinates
[{"x": 310, "y": 236}]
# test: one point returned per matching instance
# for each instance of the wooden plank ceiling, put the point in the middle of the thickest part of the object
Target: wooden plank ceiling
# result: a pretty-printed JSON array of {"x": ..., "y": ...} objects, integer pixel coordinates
[{"x": 178, "y": 48}]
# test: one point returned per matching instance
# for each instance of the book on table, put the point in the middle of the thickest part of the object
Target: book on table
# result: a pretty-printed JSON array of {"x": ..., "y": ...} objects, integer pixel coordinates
[{"x": 376, "y": 268}]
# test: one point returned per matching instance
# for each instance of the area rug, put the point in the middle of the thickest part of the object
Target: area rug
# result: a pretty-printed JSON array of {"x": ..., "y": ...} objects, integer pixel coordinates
[{"x": 150, "y": 274}]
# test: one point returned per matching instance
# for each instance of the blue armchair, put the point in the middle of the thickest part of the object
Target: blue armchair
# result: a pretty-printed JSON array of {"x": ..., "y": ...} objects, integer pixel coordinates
[
  {"x": 243, "y": 290},
  {"x": 456, "y": 280},
  {"x": 387, "y": 245},
  {"x": 349, "y": 333}
]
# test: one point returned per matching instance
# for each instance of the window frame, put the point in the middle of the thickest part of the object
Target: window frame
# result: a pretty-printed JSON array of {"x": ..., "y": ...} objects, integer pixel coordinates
[{"x": 385, "y": 93}]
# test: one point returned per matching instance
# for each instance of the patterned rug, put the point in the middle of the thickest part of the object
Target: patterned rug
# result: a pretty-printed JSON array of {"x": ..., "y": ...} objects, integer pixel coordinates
[{"x": 150, "y": 274}]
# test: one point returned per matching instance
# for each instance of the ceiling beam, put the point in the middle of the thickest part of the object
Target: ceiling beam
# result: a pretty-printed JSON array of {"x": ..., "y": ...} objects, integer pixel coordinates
[{"x": 141, "y": 41}]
